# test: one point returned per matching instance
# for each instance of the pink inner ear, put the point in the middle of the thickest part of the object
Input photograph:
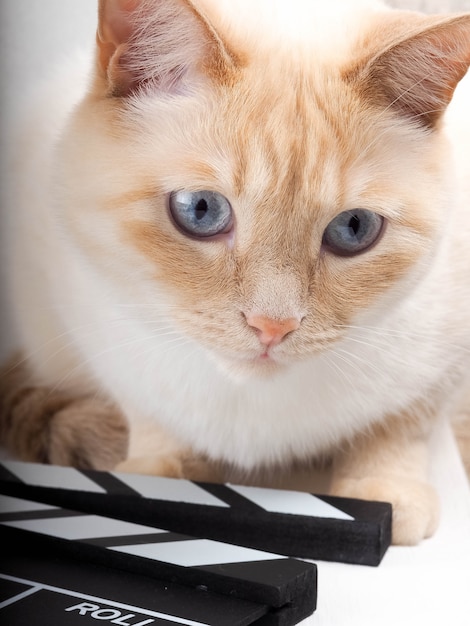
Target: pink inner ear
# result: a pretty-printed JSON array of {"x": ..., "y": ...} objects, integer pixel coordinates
[
  {"x": 158, "y": 43},
  {"x": 115, "y": 20},
  {"x": 115, "y": 29},
  {"x": 418, "y": 76}
]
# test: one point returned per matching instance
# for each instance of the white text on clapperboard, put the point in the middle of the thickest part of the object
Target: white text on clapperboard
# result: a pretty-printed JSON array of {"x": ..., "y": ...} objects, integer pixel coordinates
[{"x": 111, "y": 615}]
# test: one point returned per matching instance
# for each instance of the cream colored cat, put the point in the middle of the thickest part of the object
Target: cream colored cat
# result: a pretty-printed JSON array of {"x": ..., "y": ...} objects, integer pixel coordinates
[{"x": 247, "y": 235}]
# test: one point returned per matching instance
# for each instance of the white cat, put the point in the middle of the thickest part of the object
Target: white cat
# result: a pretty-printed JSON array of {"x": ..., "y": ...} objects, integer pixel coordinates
[{"x": 246, "y": 234}]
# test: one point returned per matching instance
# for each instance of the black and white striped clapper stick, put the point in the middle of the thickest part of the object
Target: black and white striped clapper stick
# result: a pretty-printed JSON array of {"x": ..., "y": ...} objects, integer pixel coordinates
[
  {"x": 43, "y": 586},
  {"x": 264, "y": 578},
  {"x": 291, "y": 523}
]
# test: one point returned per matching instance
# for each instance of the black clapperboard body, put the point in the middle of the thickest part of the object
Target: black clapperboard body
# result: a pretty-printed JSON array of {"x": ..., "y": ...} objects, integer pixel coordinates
[
  {"x": 53, "y": 552},
  {"x": 176, "y": 551},
  {"x": 40, "y": 586}
]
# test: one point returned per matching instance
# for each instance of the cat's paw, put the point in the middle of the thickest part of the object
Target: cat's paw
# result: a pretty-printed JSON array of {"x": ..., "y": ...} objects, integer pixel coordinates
[
  {"x": 415, "y": 504},
  {"x": 89, "y": 434},
  {"x": 173, "y": 464},
  {"x": 168, "y": 465},
  {"x": 40, "y": 425}
]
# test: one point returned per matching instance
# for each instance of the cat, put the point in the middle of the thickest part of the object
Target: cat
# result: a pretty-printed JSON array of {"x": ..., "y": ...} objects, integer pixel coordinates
[{"x": 241, "y": 238}]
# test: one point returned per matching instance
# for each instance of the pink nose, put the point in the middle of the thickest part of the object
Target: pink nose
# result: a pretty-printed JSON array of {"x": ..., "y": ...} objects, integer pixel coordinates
[{"x": 272, "y": 332}]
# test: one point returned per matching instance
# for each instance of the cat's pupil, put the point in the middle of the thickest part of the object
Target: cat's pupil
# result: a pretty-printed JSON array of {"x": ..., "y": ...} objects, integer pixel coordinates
[
  {"x": 201, "y": 209},
  {"x": 354, "y": 224}
]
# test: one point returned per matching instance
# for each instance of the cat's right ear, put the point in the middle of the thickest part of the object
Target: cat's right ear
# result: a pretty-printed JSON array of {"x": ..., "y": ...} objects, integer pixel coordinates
[
  {"x": 415, "y": 64},
  {"x": 160, "y": 44}
]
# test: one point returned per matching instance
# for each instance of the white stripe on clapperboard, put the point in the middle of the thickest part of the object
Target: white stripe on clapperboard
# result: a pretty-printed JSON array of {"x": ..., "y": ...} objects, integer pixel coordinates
[
  {"x": 187, "y": 553},
  {"x": 178, "y": 490},
  {"x": 82, "y": 527},
  {"x": 83, "y": 596},
  {"x": 272, "y": 500},
  {"x": 197, "y": 553},
  {"x": 294, "y": 502},
  {"x": 15, "y": 505},
  {"x": 51, "y": 476},
  {"x": 170, "y": 489}
]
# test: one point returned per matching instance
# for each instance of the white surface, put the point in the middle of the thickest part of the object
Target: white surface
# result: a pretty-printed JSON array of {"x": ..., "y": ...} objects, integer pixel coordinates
[
  {"x": 428, "y": 585},
  {"x": 34, "y": 35}
]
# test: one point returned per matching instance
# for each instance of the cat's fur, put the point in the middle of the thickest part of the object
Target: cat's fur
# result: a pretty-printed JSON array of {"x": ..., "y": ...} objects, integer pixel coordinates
[{"x": 295, "y": 111}]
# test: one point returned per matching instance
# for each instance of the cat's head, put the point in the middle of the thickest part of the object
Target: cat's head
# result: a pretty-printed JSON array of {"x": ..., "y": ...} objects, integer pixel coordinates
[{"x": 264, "y": 196}]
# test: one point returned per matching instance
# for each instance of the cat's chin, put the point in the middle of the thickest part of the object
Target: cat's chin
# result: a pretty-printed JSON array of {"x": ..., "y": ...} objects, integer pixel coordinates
[{"x": 241, "y": 370}]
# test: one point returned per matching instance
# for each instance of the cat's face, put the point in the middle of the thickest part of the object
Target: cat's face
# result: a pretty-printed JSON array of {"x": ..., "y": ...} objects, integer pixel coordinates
[{"x": 280, "y": 195}]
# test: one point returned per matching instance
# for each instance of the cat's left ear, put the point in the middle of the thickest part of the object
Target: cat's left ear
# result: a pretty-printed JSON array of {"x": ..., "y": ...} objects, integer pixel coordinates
[
  {"x": 158, "y": 43},
  {"x": 417, "y": 71}
]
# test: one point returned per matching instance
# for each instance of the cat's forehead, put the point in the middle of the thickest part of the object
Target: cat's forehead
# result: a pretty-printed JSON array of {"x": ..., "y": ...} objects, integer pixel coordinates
[
  {"x": 284, "y": 140},
  {"x": 274, "y": 133}
]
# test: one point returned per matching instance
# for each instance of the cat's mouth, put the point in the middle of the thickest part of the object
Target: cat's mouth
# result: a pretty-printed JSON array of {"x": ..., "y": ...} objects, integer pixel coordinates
[
  {"x": 265, "y": 362},
  {"x": 263, "y": 365}
]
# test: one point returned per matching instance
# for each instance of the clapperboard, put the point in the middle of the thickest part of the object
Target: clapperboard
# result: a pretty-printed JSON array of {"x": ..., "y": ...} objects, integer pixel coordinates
[
  {"x": 67, "y": 567},
  {"x": 290, "y": 523},
  {"x": 86, "y": 546}
]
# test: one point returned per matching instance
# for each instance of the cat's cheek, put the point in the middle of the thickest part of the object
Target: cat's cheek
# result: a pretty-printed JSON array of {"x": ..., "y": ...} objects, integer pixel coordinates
[{"x": 345, "y": 288}]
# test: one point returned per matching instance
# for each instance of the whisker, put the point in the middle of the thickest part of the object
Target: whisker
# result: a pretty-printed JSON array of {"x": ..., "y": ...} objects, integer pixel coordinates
[
  {"x": 385, "y": 333},
  {"x": 110, "y": 349},
  {"x": 356, "y": 357},
  {"x": 47, "y": 343},
  {"x": 332, "y": 362},
  {"x": 96, "y": 327}
]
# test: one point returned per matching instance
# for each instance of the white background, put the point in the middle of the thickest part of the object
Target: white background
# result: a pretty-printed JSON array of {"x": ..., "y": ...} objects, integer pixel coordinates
[{"x": 34, "y": 36}]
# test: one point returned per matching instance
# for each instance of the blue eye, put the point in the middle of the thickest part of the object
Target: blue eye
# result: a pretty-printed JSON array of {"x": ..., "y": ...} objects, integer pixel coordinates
[
  {"x": 352, "y": 232},
  {"x": 201, "y": 213}
]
